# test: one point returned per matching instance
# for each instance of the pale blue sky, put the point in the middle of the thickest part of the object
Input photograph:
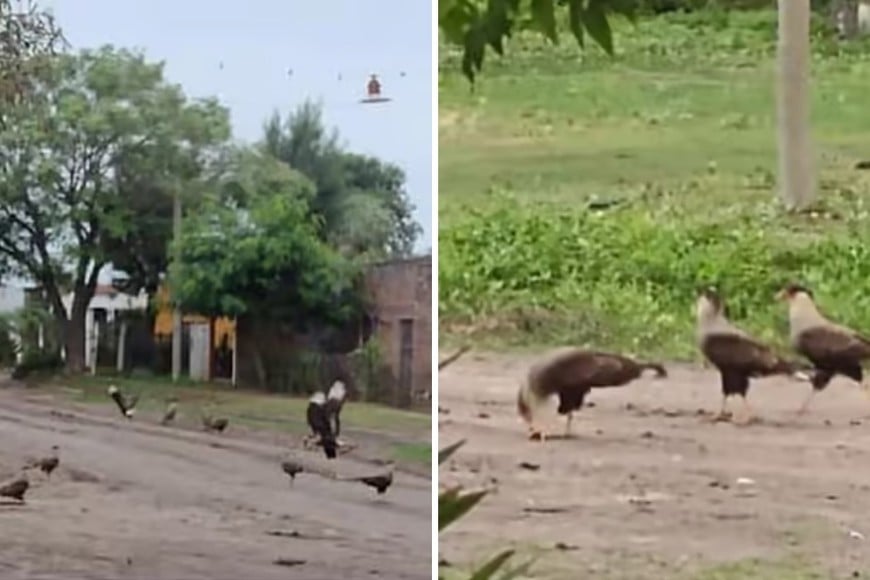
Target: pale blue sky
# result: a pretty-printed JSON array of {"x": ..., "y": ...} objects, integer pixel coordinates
[{"x": 258, "y": 41}]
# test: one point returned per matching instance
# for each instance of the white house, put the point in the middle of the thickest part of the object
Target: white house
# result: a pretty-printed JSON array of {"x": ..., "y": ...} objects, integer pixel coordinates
[{"x": 107, "y": 301}]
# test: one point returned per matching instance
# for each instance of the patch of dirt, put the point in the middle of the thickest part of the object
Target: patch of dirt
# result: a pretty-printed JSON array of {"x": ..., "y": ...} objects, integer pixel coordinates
[
  {"x": 647, "y": 487},
  {"x": 136, "y": 500}
]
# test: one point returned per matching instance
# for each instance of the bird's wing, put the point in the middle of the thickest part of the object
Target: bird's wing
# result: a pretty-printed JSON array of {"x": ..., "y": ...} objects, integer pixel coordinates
[
  {"x": 738, "y": 350},
  {"x": 833, "y": 341}
]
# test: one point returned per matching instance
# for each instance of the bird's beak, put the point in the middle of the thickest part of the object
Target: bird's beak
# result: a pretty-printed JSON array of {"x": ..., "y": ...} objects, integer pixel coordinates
[{"x": 781, "y": 296}]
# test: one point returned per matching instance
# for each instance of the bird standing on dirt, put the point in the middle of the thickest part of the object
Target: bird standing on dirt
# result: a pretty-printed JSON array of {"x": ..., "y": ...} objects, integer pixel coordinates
[
  {"x": 218, "y": 424},
  {"x": 46, "y": 464},
  {"x": 831, "y": 348},
  {"x": 170, "y": 412},
  {"x": 334, "y": 403},
  {"x": 571, "y": 373},
  {"x": 319, "y": 422},
  {"x": 291, "y": 468},
  {"x": 15, "y": 489},
  {"x": 736, "y": 355},
  {"x": 127, "y": 405}
]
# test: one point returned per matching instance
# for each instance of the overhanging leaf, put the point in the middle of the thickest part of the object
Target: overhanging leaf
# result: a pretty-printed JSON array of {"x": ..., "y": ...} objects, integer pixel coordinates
[
  {"x": 445, "y": 453},
  {"x": 453, "y": 504},
  {"x": 575, "y": 19},
  {"x": 596, "y": 24},
  {"x": 489, "y": 569},
  {"x": 544, "y": 16}
]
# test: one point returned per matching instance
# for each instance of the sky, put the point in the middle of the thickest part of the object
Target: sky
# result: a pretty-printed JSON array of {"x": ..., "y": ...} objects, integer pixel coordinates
[{"x": 243, "y": 52}]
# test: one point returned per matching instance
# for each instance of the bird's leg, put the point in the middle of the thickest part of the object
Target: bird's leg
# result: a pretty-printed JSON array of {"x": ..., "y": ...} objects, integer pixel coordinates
[
  {"x": 806, "y": 404},
  {"x": 723, "y": 411},
  {"x": 748, "y": 415},
  {"x": 865, "y": 386},
  {"x": 568, "y": 425}
]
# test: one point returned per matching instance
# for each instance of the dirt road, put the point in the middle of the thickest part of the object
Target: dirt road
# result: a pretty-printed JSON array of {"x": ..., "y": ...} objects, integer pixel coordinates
[
  {"x": 140, "y": 501},
  {"x": 648, "y": 488}
]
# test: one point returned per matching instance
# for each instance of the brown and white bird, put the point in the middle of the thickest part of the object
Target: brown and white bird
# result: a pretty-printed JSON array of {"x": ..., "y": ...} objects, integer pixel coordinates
[
  {"x": 833, "y": 349},
  {"x": 46, "y": 464},
  {"x": 126, "y": 404},
  {"x": 737, "y": 356},
  {"x": 218, "y": 424},
  {"x": 571, "y": 373},
  {"x": 170, "y": 412},
  {"x": 335, "y": 398},
  {"x": 15, "y": 489}
]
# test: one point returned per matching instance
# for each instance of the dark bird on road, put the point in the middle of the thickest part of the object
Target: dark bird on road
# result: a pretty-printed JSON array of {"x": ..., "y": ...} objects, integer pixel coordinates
[
  {"x": 319, "y": 422},
  {"x": 46, "y": 464},
  {"x": 571, "y": 373},
  {"x": 292, "y": 468},
  {"x": 15, "y": 489},
  {"x": 380, "y": 482},
  {"x": 833, "y": 349},
  {"x": 736, "y": 355},
  {"x": 334, "y": 402},
  {"x": 126, "y": 404},
  {"x": 170, "y": 412},
  {"x": 218, "y": 424}
]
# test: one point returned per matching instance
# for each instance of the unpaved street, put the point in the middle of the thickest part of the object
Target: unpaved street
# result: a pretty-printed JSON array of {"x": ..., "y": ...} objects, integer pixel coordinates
[
  {"x": 140, "y": 501},
  {"x": 648, "y": 488}
]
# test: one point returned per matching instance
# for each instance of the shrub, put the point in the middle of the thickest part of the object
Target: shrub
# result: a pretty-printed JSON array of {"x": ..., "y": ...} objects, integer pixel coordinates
[{"x": 37, "y": 362}]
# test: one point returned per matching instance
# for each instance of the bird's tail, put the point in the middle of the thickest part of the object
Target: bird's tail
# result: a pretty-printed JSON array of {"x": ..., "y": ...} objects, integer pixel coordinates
[
  {"x": 337, "y": 392},
  {"x": 659, "y": 369},
  {"x": 527, "y": 401}
]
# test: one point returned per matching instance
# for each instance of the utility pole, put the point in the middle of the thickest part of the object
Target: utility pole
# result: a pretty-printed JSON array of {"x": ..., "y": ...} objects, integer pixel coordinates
[
  {"x": 796, "y": 172},
  {"x": 173, "y": 287}
]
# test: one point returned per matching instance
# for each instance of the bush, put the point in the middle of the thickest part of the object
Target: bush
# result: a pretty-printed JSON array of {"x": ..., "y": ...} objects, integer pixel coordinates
[
  {"x": 627, "y": 279},
  {"x": 8, "y": 348},
  {"x": 37, "y": 362}
]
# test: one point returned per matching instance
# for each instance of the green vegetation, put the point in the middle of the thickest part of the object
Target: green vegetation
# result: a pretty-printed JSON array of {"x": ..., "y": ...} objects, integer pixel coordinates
[
  {"x": 761, "y": 570},
  {"x": 675, "y": 134},
  {"x": 258, "y": 410}
]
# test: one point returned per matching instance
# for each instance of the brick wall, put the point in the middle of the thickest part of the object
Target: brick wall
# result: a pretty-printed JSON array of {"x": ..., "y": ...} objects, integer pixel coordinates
[{"x": 402, "y": 290}]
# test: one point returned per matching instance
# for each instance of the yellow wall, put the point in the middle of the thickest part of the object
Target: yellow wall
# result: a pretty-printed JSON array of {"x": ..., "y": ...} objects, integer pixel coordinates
[{"x": 163, "y": 320}]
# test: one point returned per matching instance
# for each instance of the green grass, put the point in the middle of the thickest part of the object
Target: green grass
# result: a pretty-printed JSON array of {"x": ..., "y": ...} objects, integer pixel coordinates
[
  {"x": 259, "y": 410},
  {"x": 680, "y": 127},
  {"x": 762, "y": 570}
]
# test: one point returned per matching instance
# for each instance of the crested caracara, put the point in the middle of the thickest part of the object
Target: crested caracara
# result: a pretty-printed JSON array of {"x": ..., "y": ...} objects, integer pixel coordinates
[
  {"x": 319, "y": 422},
  {"x": 736, "y": 355},
  {"x": 126, "y": 404},
  {"x": 380, "y": 482},
  {"x": 831, "y": 348},
  {"x": 218, "y": 424},
  {"x": 15, "y": 489},
  {"x": 292, "y": 468},
  {"x": 334, "y": 403},
  {"x": 170, "y": 412},
  {"x": 46, "y": 464},
  {"x": 571, "y": 373}
]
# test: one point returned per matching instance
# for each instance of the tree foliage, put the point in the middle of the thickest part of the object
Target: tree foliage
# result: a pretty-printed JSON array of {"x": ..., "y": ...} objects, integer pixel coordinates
[
  {"x": 28, "y": 35},
  {"x": 476, "y": 25},
  {"x": 256, "y": 250},
  {"x": 63, "y": 196},
  {"x": 362, "y": 201}
]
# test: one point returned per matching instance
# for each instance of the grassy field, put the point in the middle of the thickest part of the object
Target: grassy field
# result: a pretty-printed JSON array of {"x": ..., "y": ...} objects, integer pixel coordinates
[
  {"x": 677, "y": 135},
  {"x": 408, "y": 432}
]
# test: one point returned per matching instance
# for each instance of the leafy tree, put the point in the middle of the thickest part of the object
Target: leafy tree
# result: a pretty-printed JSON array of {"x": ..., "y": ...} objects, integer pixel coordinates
[
  {"x": 27, "y": 35},
  {"x": 255, "y": 251},
  {"x": 362, "y": 201},
  {"x": 63, "y": 152},
  {"x": 475, "y": 25}
]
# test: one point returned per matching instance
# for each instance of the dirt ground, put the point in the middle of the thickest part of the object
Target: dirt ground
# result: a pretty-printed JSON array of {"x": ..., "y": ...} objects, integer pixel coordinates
[
  {"x": 648, "y": 488},
  {"x": 140, "y": 501}
]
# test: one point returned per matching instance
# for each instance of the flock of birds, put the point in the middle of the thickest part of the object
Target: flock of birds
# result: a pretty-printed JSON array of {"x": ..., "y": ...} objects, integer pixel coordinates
[
  {"x": 831, "y": 349},
  {"x": 323, "y": 416}
]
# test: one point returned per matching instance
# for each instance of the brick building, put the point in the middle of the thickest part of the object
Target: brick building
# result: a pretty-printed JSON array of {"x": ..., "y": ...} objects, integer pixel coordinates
[{"x": 401, "y": 296}]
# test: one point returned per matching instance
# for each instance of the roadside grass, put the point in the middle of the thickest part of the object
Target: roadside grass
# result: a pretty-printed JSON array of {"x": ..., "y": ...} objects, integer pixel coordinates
[
  {"x": 408, "y": 433},
  {"x": 677, "y": 132}
]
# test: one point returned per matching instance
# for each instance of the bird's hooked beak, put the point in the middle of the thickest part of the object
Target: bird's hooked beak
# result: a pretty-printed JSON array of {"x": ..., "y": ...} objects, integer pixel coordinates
[{"x": 781, "y": 296}]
